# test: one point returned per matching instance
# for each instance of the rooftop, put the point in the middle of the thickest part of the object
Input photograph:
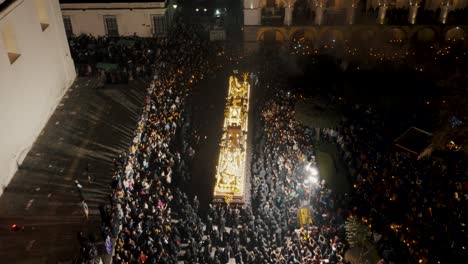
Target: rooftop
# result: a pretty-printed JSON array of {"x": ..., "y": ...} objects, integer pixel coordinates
[{"x": 5, "y": 3}]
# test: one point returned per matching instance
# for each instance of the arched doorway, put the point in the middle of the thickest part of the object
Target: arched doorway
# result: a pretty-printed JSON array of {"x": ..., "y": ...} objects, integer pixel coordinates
[
  {"x": 272, "y": 38},
  {"x": 395, "y": 36},
  {"x": 332, "y": 38},
  {"x": 302, "y": 42},
  {"x": 425, "y": 35},
  {"x": 454, "y": 35}
]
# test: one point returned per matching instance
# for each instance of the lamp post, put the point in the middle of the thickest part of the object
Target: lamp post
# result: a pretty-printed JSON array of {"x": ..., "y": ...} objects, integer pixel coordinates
[{"x": 172, "y": 12}]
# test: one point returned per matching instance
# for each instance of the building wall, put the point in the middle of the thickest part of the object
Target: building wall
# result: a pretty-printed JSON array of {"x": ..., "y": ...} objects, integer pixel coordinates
[
  {"x": 33, "y": 85},
  {"x": 131, "y": 18},
  {"x": 371, "y": 34}
]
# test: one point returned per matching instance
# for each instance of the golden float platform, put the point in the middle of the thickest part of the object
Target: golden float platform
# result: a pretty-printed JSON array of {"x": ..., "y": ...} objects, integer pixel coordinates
[{"x": 231, "y": 171}]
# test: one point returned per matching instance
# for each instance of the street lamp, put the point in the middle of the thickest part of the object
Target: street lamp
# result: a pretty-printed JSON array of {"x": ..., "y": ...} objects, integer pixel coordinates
[
  {"x": 174, "y": 6},
  {"x": 312, "y": 170},
  {"x": 313, "y": 180}
]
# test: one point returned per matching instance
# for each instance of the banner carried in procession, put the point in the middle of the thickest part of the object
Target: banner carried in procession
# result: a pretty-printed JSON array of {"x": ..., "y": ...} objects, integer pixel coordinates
[{"x": 304, "y": 217}]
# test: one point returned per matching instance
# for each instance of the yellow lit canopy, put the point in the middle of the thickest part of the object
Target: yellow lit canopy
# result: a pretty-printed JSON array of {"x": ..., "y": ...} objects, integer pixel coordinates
[{"x": 230, "y": 172}]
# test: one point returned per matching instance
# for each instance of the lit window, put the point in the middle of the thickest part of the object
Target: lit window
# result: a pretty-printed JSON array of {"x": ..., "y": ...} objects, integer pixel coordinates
[
  {"x": 110, "y": 23},
  {"x": 68, "y": 25},
  {"x": 9, "y": 42},
  {"x": 41, "y": 8},
  {"x": 159, "y": 25}
]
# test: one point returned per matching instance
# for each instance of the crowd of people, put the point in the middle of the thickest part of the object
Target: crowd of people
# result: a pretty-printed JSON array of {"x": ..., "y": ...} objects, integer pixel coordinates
[
  {"x": 410, "y": 202},
  {"x": 115, "y": 59},
  {"x": 140, "y": 220},
  {"x": 142, "y": 216},
  {"x": 281, "y": 184},
  {"x": 151, "y": 220}
]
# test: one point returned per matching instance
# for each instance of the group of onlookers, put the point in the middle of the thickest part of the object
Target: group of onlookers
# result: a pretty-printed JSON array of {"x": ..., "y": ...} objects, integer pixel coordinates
[{"x": 411, "y": 202}]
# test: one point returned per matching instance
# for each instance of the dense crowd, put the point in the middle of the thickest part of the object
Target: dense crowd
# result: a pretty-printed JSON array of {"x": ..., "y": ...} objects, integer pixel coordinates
[
  {"x": 140, "y": 221},
  {"x": 153, "y": 221},
  {"x": 281, "y": 185},
  {"x": 142, "y": 218},
  {"x": 410, "y": 202},
  {"x": 115, "y": 59},
  {"x": 265, "y": 230}
]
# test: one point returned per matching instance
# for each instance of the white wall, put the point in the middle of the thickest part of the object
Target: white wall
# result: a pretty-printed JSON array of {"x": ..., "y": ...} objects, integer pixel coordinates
[
  {"x": 33, "y": 85},
  {"x": 251, "y": 4},
  {"x": 131, "y": 18}
]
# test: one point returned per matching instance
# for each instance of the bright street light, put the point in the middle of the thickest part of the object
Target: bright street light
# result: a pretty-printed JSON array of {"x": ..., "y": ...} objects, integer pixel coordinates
[
  {"x": 312, "y": 170},
  {"x": 174, "y": 6},
  {"x": 313, "y": 179}
]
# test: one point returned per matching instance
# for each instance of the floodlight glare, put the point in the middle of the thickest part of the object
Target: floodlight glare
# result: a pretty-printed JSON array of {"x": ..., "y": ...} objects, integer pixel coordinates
[
  {"x": 312, "y": 170},
  {"x": 313, "y": 179}
]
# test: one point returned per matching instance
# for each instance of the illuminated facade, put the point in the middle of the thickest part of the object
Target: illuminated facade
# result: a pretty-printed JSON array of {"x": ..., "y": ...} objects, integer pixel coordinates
[
  {"x": 323, "y": 12},
  {"x": 333, "y": 22},
  {"x": 231, "y": 169},
  {"x": 36, "y": 70},
  {"x": 117, "y": 17}
]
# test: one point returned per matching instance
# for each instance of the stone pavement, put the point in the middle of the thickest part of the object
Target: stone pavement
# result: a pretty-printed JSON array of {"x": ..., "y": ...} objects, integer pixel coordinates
[{"x": 89, "y": 126}]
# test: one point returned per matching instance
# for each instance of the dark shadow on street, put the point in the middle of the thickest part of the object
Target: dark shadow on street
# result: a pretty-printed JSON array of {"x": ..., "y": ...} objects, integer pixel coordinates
[{"x": 89, "y": 126}]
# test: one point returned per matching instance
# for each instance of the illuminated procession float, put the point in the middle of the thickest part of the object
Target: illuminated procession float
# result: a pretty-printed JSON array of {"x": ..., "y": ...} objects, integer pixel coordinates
[{"x": 231, "y": 171}]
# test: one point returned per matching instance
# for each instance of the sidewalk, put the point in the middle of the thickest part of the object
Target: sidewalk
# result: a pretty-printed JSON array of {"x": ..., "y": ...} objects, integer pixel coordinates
[{"x": 89, "y": 126}]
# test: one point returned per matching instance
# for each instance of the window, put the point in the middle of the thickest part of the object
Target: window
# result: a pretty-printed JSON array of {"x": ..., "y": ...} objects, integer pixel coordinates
[
  {"x": 41, "y": 9},
  {"x": 110, "y": 23},
  {"x": 68, "y": 25},
  {"x": 9, "y": 42},
  {"x": 159, "y": 25}
]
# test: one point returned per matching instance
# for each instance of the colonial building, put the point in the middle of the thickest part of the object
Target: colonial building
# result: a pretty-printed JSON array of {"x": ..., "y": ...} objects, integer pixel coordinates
[
  {"x": 36, "y": 70},
  {"x": 334, "y": 20},
  {"x": 144, "y": 18}
]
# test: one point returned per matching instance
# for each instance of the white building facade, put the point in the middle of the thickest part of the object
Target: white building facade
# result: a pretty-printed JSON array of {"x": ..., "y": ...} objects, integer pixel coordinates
[
  {"x": 258, "y": 12},
  {"x": 117, "y": 18},
  {"x": 36, "y": 70}
]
